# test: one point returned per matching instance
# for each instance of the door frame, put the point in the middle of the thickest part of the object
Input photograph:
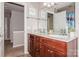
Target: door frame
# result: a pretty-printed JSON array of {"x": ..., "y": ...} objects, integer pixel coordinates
[{"x": 25, "y": 27}]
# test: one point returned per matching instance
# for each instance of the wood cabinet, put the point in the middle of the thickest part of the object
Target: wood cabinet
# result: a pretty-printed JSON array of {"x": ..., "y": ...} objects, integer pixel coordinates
[
  {"x": 45, "y": 47},
  {"x": 31, "y": 45}
]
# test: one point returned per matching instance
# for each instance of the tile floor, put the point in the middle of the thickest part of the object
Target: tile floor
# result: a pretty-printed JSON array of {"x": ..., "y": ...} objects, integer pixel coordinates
[{"x": 14, "y": 52}]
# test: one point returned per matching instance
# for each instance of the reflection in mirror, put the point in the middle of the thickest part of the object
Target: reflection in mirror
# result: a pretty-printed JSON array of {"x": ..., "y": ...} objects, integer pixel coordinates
[
  {"x": 60, "y": 26},
  {"x": 62, "y": 21},
  {"x": 50, "y": 23}
]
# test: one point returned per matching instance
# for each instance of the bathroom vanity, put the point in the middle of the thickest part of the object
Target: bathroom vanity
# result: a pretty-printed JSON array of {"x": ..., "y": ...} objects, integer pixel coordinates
[
  {"x": 40, "y": 45},
  {"x": 53, "y": 35}
]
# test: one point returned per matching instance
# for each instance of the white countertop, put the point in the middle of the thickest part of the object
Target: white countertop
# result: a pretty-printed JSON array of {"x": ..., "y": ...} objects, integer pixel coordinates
[{"x": 56, "y": 37}]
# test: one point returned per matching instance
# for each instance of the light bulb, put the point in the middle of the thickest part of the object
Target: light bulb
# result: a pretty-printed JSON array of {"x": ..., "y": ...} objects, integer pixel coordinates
[
  {"x": 44, "y": 4},
  {"x": 49, "y": 5}
]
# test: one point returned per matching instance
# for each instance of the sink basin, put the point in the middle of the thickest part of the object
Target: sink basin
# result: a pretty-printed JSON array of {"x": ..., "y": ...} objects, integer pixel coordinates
[{"x": 59, "y": 36}]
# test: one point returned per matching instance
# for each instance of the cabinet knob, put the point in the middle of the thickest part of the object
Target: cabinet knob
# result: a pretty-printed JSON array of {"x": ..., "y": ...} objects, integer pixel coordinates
[{"x": 48, "y": 50}]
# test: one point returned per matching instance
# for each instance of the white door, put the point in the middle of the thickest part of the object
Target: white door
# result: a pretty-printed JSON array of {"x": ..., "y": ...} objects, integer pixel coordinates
[
  {"x": 59, "y": 19},
  {"x": 1, "y": 29}
]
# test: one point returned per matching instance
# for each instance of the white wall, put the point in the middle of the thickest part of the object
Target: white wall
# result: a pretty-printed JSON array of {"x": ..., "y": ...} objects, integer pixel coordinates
[
  {"x": 31, "y": 24},
  {"x": 1, "y": 29},
  {"x": 37, "y": 18},
  {"x": 25, "y": 30},
  {"x": 18, "y": 38},
  {"x": 59, "y": 22},
  {"x": 16, "y": 23},
  {"x": 77, "y": 22},
  {"x": 0, "y": 16}
]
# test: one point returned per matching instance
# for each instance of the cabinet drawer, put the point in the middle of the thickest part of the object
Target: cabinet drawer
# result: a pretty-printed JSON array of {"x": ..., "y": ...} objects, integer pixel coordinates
[
  {"x": 54, "y": 42},
  {"x": 48, "y": 41},
  {"x": 59, "y": 54},
  {"x": 59, "y": 45}
]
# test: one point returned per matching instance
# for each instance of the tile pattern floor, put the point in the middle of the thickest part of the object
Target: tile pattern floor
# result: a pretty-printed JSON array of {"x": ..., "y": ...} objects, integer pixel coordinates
[{"x": 14, "y": 52}]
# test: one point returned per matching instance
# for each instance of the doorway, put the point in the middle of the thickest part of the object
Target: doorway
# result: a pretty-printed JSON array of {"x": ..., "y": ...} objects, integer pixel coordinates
[
  {"x": 49, "y": 22},
  {"x": 13, "y": 29}
]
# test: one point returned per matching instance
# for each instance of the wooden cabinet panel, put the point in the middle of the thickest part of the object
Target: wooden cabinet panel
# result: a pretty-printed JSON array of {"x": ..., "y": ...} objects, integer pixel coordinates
[
  {"x": 37, "y": 46},
  {"x": 42, "y": 50},
  {"x": 62, "y": 46},
  {"x": 32, "y": 45},
  {"x": 37, "y": 52}
]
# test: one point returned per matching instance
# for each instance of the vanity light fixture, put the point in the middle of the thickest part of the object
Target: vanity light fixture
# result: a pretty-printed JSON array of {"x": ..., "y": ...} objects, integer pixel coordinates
[
  {"x": 45, "y": 4},
  {"x": 48, "y": 4}
]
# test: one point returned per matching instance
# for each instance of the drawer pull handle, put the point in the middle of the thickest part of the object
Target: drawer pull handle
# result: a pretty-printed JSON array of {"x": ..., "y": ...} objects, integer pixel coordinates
[
  {"x": 51, "y": 51},
  {"x": 48, "y": 50}
]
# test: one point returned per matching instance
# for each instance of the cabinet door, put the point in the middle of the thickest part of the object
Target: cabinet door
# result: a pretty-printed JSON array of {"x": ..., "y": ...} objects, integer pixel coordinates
[
  {"x": 32, "y": 45},
  {"x": 37, "y": 41},
  {"x": 37, "y": 46},
  {"x": 37, "y": 52}
]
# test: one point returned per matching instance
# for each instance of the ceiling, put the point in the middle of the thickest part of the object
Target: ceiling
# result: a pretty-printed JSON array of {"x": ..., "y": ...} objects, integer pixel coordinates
[
  {"x": 9, "y": 6},
  {"x": 35, "y": 4},
  {"x": 51, "y": 9},
  {"x": 57, "y": 4}
]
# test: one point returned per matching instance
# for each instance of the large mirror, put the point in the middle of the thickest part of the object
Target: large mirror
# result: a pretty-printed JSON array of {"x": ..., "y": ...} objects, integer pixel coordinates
[{"x": 62, "y": 21}]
